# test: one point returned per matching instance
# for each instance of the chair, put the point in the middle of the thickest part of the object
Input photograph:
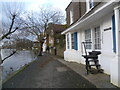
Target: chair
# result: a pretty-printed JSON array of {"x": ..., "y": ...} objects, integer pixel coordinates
[{"x": 92, "y": 57}]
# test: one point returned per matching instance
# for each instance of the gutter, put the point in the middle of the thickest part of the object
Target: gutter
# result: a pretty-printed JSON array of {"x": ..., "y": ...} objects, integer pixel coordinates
[{"x": 80, "y": 21}]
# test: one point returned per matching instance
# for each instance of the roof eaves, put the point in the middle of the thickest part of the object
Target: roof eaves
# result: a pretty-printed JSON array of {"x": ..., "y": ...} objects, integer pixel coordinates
[{"x": 81, "y": 19}]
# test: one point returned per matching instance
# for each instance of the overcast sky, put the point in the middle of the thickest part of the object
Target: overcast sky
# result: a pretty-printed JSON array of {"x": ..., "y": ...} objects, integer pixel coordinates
[
  {"x": 60, "y": 4},
  {"x": 35, "y": 4}
]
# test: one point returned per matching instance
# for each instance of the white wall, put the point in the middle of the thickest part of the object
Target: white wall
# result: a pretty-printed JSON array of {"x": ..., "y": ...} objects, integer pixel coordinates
[
  {"x": 109, "y": 61},
  {"x": 72, "y": 56},
  {"x": 107, "y": 44},
  {"x": 114, "y": 71},
  {"x": 119, "y": 71}
]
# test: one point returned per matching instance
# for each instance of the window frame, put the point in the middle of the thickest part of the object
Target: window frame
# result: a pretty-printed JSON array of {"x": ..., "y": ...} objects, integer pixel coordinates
[
  {"x": 97, "y": 38},
  {"x": 88, "y": 39},
  {"x": 91, "y": 4},
  {"x": 72, "y": 40},
  {"x": 71, "y": 16},
  {"x": 68, "y": 42}
]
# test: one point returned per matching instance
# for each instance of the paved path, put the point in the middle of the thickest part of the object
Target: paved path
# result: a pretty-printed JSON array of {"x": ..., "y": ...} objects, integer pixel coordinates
[{"x": 47, "y": 72}]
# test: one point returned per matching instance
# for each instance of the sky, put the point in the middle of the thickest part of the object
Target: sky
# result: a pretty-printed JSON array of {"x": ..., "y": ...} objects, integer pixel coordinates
[{"x": 35, "y": 4}]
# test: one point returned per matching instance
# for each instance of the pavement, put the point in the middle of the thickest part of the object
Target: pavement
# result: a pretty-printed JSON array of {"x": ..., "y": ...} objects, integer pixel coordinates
[
  {"x": 100, "y": 80},
  {"x": 48, "y": 72}
]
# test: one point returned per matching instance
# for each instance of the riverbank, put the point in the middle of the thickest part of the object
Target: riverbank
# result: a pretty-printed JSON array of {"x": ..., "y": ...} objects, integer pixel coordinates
[{"x": 15, "y": 62}]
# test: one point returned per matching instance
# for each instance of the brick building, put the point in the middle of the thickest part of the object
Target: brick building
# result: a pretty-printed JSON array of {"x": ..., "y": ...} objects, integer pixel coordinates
[{"x": 54, "y": 38}]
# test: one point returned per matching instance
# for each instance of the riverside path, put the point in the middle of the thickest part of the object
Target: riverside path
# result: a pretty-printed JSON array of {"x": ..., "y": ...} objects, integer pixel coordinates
[{"x": 47, "y": 72}]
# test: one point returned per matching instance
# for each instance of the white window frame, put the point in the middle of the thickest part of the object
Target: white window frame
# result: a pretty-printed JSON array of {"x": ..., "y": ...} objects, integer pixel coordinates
[
  {"x": 88, "y": 5},
  {"x": 91, "y": 3},
  {"x": 68, "y": 41},
  {"x": 97, "y": 38},
  {"x": 72, "y": 40},
  {"x": 88, "y": 38}
]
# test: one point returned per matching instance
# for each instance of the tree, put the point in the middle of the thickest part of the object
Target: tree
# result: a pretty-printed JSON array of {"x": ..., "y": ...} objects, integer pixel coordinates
[
  {"x": 36, "y": 23},
  {"x": 12, "y": 12},
  {"x": 11, "y": 15},
  {"x": 23, "y": 44}
]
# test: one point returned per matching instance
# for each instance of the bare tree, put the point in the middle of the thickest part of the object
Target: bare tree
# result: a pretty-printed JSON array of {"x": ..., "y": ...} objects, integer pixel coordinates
[
  {"x": 36, "y": 23},
  {"x": 11, "y": 15}
]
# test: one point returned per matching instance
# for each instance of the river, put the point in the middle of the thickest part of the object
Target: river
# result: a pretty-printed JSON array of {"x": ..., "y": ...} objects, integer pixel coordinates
[{"x": 15, "y": 62}]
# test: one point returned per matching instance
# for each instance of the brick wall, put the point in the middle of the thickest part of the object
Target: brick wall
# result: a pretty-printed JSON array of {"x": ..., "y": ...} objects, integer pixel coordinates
[
  {"x": 79, "y": 8},
  {"x": 82, "y": 8}
]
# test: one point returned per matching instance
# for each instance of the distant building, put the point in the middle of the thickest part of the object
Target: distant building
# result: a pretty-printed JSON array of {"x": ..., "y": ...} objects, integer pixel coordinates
[
  {"x": 53, "y": 31},
  {"x": 99, "y": 23},
  {"x": 53, "y": 35}
]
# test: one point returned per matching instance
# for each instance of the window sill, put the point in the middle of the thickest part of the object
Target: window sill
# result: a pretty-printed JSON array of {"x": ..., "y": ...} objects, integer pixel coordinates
[
  {"x": 97, "y": 49},
  {"x": 88, "y": 49}
]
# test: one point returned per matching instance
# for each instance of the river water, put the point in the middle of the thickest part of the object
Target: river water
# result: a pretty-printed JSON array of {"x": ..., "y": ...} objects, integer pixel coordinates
[{"x": 15, "y": 62}]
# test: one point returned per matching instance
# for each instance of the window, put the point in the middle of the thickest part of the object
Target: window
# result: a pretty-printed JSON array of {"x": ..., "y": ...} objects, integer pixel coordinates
[
  {"x": 72, "y": 40},
  {"x": 88, "y": 38},
  {"x": 91, "y": 3},
  {"x": 97, "y": 38},
  {"x": 71, "y": 16},
  {"x": 75, "y": 41},
  {"x": 68, "y": 41}
]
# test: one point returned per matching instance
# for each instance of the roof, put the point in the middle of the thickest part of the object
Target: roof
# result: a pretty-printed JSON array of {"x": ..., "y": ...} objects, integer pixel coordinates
[
  {"x": 88, "y": 17},
  {"x": 57, "y": 28},
  {"x": 68, "y": 5}
]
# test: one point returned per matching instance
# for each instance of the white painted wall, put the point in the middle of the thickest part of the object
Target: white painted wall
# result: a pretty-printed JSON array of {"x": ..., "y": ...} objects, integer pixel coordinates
[
  {"x": 119, "y": 71},
  {"x": 115, "y": 64},
  {"x": 108, "y": 59},
  {"x": 72, "y": 56},
  {"x": 106, "y": 43},
  {"x": 114, "y": 71}
]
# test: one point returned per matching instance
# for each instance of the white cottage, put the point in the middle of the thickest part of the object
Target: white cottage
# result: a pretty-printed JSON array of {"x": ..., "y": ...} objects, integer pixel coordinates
[{"x": 99, "y": 23}]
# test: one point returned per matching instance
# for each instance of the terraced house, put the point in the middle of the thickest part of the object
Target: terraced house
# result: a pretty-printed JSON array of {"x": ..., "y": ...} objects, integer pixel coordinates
[{"x": 98, "y": 23}]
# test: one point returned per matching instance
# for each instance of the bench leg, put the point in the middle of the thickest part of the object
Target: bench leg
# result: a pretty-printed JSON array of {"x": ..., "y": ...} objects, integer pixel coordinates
[{"x": 87, "y": 65}]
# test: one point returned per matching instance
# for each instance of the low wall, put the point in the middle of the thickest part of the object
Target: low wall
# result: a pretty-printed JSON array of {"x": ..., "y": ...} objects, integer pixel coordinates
[{"x": 73, "y": 56}]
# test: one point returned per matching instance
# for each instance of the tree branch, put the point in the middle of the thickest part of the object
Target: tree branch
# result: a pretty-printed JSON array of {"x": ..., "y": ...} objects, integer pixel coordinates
[
  {"x": 11, "y": 26},
  {"x": 9, "y": 56},
  {"x": 5, "y": 36}
]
